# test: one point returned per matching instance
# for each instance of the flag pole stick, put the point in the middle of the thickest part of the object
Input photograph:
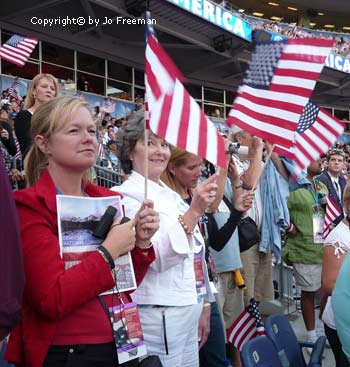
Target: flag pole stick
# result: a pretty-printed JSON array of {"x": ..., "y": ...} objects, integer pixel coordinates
[
  {"x": 266, "y": 161},
  {"x": 146, "y": 158}
]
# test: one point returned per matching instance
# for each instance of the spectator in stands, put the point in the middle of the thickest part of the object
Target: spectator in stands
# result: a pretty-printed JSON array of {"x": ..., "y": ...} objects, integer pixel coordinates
[
  {"x": 170, "y": 306},
  {"x": 182, "y": 174},
  {"x": 83, "y": 84},
  {"x": 335, "y": 248},
  {"x": 112, "y": 152},
  {"x": 6, "y": 134},
  {"x": 333, "y": 178},
  {"x": 304, "y": 243},
  {"x": 257, "y": 264},
  {"x": 97, "y": 114},
  {"x": 64, "y": 322},
  {"x": 43, "y": 88}
]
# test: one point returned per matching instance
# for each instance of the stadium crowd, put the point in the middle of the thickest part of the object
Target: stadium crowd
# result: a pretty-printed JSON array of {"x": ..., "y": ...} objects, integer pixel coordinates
[
  {"x": 196, "y": 266},
  {"x": 342, "y": 40}
]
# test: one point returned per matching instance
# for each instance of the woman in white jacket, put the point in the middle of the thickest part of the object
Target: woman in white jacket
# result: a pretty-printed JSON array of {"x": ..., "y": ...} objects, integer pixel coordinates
[{"x": 176, "y": 286}]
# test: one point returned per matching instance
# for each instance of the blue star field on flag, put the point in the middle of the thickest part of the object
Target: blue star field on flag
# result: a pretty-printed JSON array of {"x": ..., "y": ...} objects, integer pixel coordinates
[
  {"x": 15, "y": 40},
  {"x": 264, "y": 62},
  {"x": 308, "y": 117},
  {"x": 254, "y": 311}
]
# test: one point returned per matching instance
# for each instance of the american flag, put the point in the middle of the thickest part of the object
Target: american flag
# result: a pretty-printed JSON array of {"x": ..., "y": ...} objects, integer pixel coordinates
[
  {"x": 316, "y": 132},
  {"x": 178, "y": 119},
  {"x": 277, "y": 87},
  {"x": 332, "y": 213},
  {"x": 173, "y": 114},
  {"x": 13, "y": 92},
  {"x": 160, "y": 71},
  {"x": 101, "y": 151},
  {"x": 248, "y": 325},
  {"x": 18, "y": 49}
]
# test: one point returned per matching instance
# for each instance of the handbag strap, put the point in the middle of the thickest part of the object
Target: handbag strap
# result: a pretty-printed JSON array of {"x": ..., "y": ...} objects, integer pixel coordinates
[{"x": 228, "y": 203}]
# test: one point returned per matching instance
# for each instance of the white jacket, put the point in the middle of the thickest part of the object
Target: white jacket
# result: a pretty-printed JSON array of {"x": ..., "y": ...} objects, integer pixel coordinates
[{"x": 170, "y": 280}]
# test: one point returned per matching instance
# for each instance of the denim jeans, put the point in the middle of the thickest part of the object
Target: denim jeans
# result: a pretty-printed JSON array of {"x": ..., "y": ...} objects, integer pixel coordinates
[{"x": 213, "y": 353}]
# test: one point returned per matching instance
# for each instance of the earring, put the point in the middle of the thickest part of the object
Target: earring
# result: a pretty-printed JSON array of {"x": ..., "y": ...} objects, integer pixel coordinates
[
  {"x": 34, "y": 96},
  {"x": 173, "y": 173}
]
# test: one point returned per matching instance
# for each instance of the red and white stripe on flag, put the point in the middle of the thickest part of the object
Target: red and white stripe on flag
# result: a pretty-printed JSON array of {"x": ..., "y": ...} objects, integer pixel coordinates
[
  {"x": 160, "y": 72},
  {"x": 317, "y": 131},
  {"x": 17, "y": 49},
  {"x": 243, "y": 329},
  {"x": 332, "y": 213},
  {"x": 277, "y": 86},
  {"x": 178, "y": 119}
]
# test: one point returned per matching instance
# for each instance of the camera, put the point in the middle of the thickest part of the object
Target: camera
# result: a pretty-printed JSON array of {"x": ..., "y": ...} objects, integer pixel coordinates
[{"x": 236, "y": 148}]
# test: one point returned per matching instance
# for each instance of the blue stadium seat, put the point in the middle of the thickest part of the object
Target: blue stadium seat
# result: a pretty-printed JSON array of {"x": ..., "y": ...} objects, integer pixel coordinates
[
  {"x": 289, "y": 349},
  {"x": 259, "y": 352}
]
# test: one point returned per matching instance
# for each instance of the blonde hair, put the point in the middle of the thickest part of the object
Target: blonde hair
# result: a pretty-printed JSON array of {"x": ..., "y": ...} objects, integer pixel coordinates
[
  {"x": 47, "y": 118},
  {"x": 30, "y": 100},
  {"x": 178, "y": 158}
]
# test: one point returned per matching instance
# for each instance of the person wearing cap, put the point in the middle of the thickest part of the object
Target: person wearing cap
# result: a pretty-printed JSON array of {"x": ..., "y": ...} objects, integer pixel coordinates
[{"x": 333, "y": 178}]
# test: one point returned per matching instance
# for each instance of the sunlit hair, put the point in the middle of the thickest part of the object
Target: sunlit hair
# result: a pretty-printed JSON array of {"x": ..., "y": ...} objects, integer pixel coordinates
[
  {"x": 49, "y": 117},
  {"x": 30, "y": 100},
  {"x": 178, "y": 158}
]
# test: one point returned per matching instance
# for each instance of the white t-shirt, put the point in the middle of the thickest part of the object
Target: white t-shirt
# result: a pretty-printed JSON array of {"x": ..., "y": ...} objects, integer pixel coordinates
[{"x": 339, "y": 238}]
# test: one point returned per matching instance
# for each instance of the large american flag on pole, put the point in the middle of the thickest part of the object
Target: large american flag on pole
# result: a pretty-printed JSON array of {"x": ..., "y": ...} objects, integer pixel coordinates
[
  {"x": 173, "y": 114},
  {"x": 248, "y": 325},
  {"x": 332, "y": 213},
  {"x": 316, "y": 132},
  {"x": 277, "y": 87},
  {"x": 17, "y": 49}
]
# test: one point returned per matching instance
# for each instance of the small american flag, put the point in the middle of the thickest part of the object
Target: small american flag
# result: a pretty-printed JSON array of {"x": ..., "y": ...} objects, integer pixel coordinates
[
  {"x": 101, "y": 151},
  {"x": 160, "y": 71},
  {"x": 316, "y": 132},
  {"x": 248, "y": 325},
  {"x": 332, "y": 213},
  {"x": 178, "y": 119},
  {"x": 173, "y": 114},
  {"x": 13, "y": 90},
  {"x": 277, "y": 87},
  {"x": 18, "y": 49}
]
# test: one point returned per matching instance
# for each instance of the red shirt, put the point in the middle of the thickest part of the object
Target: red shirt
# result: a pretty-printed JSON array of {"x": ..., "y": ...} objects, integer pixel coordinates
[{"x": 53, "y": 295}]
